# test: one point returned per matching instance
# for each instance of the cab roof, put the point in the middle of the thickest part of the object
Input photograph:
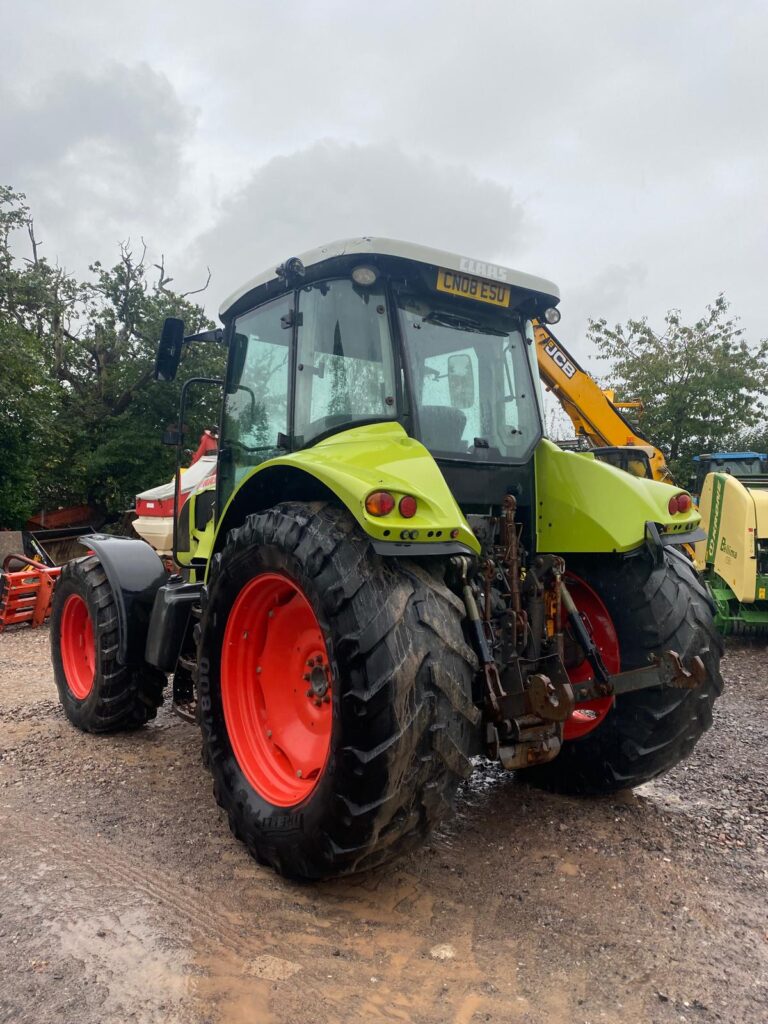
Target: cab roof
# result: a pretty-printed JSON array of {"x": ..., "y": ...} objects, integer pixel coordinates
[
  {"x": 730, "y": 456},
  {"x": 369, "y": 246}
]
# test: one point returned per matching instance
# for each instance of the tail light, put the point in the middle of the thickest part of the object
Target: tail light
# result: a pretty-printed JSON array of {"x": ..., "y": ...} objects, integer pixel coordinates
[
  {"x": 380, "y": 503},
  {"x": 408, "y": 507},
  {"x": 679, "y": 503}
]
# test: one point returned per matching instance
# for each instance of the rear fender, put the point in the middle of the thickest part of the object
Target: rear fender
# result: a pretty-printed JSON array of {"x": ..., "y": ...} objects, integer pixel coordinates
[
  {"x": 135, "y": 573},
  {"x": 583, "y": 505},
  {"x": 346, "y": 468}
]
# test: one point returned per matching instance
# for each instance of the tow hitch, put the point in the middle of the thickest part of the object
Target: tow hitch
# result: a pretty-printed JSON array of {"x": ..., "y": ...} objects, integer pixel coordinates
[{"x": 668, "y": 670}]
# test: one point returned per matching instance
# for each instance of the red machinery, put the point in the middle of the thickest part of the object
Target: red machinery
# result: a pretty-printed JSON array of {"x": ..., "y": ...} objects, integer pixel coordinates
[{"x": 25, "y": 594}]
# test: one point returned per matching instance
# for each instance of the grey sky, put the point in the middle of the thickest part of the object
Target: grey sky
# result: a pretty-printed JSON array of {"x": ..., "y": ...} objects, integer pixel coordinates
[{"x": 619, "y": 149}]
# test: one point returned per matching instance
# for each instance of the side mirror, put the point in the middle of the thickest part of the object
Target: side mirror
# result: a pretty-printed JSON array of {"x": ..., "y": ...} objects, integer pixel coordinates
[
  {"x": 461, "y": 382},
  {"x": 169, "y": 349},
  {"x": 173, "y": 437}
]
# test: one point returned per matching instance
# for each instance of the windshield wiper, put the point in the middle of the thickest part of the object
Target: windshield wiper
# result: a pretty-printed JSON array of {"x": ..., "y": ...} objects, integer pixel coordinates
[
  {"x": 460, "y": 323},
  {"x": 247, "y": 448}
]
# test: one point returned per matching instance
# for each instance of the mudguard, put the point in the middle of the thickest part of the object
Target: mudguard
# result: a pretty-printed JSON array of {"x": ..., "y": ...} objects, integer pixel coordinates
[
  {"x": 350, "y": 465},
  {"x": 135, "y": 573},
  {"x": 588, "y": 506}
]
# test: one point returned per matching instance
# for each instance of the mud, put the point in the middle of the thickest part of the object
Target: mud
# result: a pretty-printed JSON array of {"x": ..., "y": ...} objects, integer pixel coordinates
[{"x": 123, "y": 897}]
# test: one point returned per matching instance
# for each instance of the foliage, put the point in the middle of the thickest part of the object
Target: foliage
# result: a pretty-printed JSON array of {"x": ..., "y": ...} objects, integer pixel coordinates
[
  {"x": 703, "y": 387},
  {"x": 82, "y": 417}
]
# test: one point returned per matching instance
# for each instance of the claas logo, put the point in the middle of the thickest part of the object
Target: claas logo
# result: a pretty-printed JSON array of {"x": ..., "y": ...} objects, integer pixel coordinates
[{"x": 560, "y": 359}]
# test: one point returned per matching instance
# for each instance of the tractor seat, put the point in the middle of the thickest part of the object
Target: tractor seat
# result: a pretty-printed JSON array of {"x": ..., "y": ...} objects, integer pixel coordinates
[{"x": 442, "y": 427}]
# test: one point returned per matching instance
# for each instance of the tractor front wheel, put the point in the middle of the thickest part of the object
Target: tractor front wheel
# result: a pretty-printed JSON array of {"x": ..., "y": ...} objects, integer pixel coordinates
[
  {"x": 635, "y": 610},
  {"x": 98, "y": 694},
  {"x": 334, "y": 693}
]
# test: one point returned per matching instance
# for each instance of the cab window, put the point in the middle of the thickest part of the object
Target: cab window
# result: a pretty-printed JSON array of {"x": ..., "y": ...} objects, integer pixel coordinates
[
  {"x": 344, "y": 365},
  {"x": 256, "y": 399}
]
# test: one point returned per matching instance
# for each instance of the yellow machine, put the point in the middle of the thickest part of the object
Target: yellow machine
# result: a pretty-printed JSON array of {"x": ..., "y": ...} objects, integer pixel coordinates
[
  {"x": 594, "y": 413},
  {"x": 734, "y": 557}
]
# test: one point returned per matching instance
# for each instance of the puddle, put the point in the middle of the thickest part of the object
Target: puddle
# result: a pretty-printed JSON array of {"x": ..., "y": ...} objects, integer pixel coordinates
[
  {"x": 238, "y": 991},
  {"x": 127, "y": 956}
]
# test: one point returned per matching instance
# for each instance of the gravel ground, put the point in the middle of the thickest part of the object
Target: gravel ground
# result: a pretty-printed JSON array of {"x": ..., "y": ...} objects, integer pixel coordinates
[{"x": 123, "y": 897}]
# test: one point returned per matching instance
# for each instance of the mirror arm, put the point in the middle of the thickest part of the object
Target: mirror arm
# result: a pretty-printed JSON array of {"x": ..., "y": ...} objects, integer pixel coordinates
[{"x": 216, "y": 335}]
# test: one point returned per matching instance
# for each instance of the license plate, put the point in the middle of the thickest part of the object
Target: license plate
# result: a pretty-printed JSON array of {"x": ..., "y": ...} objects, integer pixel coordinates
[{"x": 476, "y": 288}]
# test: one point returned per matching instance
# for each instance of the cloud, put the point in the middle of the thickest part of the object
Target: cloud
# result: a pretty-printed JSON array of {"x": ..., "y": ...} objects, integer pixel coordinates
[
  {"x": 631, "y": 135},
  {"x": 99, "y": 154},
  {"x": 335, "y": 190}
]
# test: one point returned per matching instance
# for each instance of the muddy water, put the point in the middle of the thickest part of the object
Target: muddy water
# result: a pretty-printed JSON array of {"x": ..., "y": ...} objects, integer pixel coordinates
[{"x": 123, "y": 897}]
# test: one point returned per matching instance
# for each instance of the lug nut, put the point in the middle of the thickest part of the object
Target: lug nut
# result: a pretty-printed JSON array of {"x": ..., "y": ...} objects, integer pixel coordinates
[
  {"x": 269, "y": 734},
  {"x": 326, "y": 699},
  {"x": 298, "y": 774},
  {"x": 310, "y": 692}
]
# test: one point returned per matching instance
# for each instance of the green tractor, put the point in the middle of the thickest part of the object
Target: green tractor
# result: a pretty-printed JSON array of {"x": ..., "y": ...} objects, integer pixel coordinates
[{"x": 393, "y": 572}]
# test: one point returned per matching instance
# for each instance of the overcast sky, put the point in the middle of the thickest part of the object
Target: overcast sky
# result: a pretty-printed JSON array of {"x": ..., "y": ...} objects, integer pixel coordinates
[{"x": 617, "y": 148}]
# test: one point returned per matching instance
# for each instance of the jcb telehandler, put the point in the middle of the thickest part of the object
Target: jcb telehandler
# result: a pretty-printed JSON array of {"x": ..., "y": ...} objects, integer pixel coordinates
[
  {"x": 394, "y": 571},
  {"x": 596, "y": 415}
]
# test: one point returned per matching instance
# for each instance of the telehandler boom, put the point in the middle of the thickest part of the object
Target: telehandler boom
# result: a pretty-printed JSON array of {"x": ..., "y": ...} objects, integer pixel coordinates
[{"x": 592, "y": 411}]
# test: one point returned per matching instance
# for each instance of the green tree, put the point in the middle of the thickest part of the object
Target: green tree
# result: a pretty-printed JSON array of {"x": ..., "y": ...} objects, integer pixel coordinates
[
  {"x": 703, "y": 387},
  {"x": 82, "y": 417}
]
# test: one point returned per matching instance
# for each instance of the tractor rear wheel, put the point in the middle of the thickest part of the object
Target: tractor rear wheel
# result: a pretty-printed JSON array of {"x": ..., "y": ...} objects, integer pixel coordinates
[
  {"x": 645, "y": 733},
  {"x": 98, "y": 694},
  {"x": 334, "y": 692}
]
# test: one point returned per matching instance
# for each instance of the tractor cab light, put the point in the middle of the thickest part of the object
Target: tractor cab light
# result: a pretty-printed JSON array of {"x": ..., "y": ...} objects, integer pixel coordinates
[
  {"x": 380, "y": 503},
  {"x": 365, "y": 276},
  {"x": 552, "y": 315},
  {"x": 408, "y": 506}
]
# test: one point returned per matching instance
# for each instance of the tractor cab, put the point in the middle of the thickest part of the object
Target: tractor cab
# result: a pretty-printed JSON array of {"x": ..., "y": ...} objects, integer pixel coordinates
[
  {"x": 409, "y": 340},
  {"x": 752, "y": 466},
  {"x": 379, "y": 332}
]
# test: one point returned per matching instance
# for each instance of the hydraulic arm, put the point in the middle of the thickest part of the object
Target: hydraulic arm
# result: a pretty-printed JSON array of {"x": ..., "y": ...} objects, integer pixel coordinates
[{"x": 591, "y": 411}]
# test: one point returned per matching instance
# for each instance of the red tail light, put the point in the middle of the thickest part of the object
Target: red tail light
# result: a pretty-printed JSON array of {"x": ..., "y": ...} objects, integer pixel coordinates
[
  {"x": 679, "y": 503},
  {"x": 408, "y": 507}
]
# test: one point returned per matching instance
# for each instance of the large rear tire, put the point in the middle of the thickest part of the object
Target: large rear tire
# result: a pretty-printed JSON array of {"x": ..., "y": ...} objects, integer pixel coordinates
[
  {"x": 98, "y": 694},
  {"x": 647, "y": 732},
  {"x": 299, "y": 608}
]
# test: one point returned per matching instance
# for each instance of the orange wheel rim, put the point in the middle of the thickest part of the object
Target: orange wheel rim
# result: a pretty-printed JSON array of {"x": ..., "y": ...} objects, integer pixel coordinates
[
  {"x": 78, "y": 650},
  {"x": 276, "y": 689},
  {"x": 597, "y": 618}
]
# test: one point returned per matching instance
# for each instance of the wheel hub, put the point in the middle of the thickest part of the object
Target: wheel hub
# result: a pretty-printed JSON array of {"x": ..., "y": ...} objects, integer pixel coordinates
[
  {"x": 588, "y": 715},
  {"x": 276, "y": 689},
  {"x": 319, "y": 683},
  {"x": 78, "y": 650}
]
